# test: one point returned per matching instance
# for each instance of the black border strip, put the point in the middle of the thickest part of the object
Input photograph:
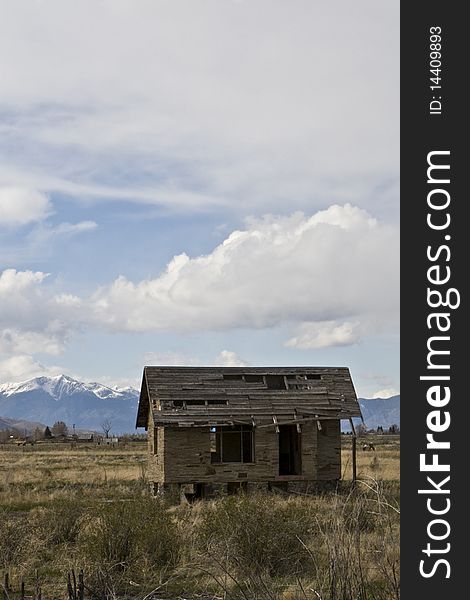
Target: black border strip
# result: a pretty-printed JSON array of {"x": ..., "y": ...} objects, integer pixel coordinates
[{"x": 423, "y": 131}]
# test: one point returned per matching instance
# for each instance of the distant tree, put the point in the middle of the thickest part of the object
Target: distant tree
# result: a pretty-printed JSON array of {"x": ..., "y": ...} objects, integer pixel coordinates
[
  {"x": 59, "y": 429},
  {"x": 47, "y": 433},
  {"x": 39, "y": 433},
  {"x": 361, "y": 430},
  {"x": 393, "y": 428},
  {"x": 106, "y": 427}
]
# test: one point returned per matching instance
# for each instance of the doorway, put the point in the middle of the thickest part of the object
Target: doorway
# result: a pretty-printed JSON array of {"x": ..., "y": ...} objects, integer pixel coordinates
[{"x": 289, "y": 450}]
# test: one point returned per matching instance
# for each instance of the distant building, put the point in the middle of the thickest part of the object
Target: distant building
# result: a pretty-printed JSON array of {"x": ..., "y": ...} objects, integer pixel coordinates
[
  {"x": 220, "y": 429},
  {"x": 108, "y": 441}
]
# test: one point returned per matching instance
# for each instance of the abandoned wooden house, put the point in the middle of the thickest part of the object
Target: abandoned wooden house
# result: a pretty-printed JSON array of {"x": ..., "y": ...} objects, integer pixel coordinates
[{"x": 220, "y": 429}]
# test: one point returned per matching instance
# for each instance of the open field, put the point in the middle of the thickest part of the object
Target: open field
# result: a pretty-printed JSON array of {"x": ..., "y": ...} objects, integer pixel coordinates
[
  {"x": 35, "y": 475},
  {"x": 382, "y": 464},
  {"x": 87, "y": 507}
]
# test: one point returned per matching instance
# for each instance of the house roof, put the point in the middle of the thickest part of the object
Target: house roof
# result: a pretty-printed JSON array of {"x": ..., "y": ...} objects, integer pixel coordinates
[{"x": 263, "y": 396}]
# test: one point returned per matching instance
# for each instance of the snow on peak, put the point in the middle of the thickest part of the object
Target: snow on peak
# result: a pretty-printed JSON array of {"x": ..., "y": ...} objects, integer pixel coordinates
[{"x": 63, "y": 385}]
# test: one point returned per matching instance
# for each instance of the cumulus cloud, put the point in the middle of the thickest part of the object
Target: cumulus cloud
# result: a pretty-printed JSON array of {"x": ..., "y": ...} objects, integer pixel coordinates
[
  {"x": 20, "y": 340},
  {"x": 22, "y": 367},
  {"x": 324, "y": 334},
  {"x": 337, "y": 265},
  {"x": 226, "y": 358},
  {"x": 19, "y": 206},
  {"x": 32, "y": 317},
  {"x": 330, "y": 276}
]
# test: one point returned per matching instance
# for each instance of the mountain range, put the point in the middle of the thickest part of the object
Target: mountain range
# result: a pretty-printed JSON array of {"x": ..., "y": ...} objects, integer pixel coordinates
[
  {"x": 378, "y": 412},
  {"x": 45, "y": 400},
  {"x": 61, "y": 398}
]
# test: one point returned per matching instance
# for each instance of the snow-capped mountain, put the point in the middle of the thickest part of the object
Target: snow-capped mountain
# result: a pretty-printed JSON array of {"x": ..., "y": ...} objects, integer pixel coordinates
[{"x": 61, "y": 398}]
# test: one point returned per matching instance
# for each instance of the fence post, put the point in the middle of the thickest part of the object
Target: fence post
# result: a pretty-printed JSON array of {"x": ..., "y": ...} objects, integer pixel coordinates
[
  {"x": 37, "y": 587},
  {"x": 81, "y": 586},
  {"x": 69, "y": 586},
  {"x": 74, "y": 585},
  {"x": 22, "y": 589},
  {"x": 354, "y": 467}
]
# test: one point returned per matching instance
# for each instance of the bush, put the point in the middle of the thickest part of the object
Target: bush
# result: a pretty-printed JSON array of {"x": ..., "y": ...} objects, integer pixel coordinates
[
  {"x": 59, "y": 524},
  {"x": 256, "y": 533},
  {"x": 136, "y": 534}
]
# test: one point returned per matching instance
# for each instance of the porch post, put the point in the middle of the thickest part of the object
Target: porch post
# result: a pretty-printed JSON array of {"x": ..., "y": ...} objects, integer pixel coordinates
[{"x": 354, "y": 467}]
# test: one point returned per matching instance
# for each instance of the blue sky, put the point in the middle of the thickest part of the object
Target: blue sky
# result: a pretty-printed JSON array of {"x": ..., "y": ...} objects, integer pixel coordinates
[{"x": 210, "y": 182}]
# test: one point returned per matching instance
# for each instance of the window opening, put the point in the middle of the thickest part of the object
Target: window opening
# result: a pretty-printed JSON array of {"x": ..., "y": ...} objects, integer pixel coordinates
[{"x": 231, "y": 444}]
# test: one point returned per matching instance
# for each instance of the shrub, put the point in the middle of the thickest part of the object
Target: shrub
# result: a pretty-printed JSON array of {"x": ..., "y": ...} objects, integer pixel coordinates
[
  {"x": 135, "y": 534},
  {"x": 256, "y": 533},
  {"x": 59, "y": 524}
]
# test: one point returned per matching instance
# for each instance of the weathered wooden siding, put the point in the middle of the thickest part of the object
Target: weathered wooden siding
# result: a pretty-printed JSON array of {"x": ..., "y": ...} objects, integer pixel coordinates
[
  {"x": 188, "y": 459},
  {"x": 309, "y": 447},
  {"x": 156, "y": 441},
  {"x": 329, "y": 451}
]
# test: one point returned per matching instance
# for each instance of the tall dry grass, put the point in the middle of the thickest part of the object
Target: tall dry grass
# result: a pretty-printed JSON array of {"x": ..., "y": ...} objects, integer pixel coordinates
[{"x": 335, "y": 546}]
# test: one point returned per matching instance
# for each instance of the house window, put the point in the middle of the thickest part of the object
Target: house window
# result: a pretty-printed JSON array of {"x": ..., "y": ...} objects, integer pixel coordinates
[
  {"x": 301, "y": 382},
  {"x": 233, "y": 376},
  {"x": 189, "y": 403},
  {"x": 254, "y": 379},
  {"x": 232, "y": 444},
  {"x": 275, "y": 382}
]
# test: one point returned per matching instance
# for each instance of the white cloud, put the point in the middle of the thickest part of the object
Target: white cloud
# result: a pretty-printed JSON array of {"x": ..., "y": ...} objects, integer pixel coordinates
[
  {"x": 19, "y": 206},
  {"x": 23, "y": 367},
  {"x": 112, "y": 382},
  {"x": 235, "y": 100},
  {"x": 227, "y": 358},
  {"x": 32, "y": 317},
  {"x": 335, "y": 274},
  {"x": 324, "y": 334},
  {"x": 386, "y": 393},
  {"x": 338, "y": 265},
  {"x": 45, "y": 233},
  {"x": 73, "y": 228},
  {"x": 18, "y": 340}
]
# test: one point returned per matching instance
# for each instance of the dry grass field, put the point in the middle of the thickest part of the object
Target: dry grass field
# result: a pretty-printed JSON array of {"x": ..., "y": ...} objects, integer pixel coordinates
[
  {"x": 382, "y": 464},
  {"x": 87, "y": 507},
  {"x": 38, "y": 474}
]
